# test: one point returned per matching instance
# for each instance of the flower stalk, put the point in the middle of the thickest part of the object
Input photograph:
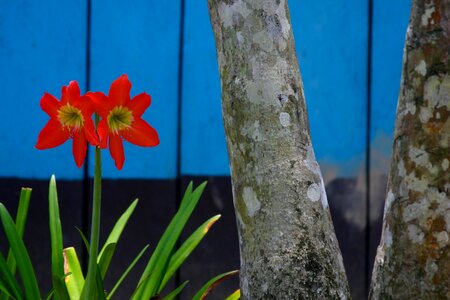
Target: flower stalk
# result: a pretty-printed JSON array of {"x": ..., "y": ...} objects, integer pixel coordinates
[{"x": 95, "y": 223}]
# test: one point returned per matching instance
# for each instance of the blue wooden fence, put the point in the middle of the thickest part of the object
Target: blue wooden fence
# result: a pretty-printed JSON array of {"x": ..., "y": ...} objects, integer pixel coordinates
[{"x": 45, "y": 44}]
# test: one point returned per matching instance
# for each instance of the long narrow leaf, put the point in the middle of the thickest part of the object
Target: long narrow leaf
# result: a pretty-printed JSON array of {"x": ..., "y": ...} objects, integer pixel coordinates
[
  {"x": 127, "y": 271},
  {"x": 186, "y": 249},
  {"x": 21, "y": 219},
  {"x": 56, "y": 242},
  {"x": 114, "y": 237},
  {"x": 175, "y": 292},
  {"x": 4, "y": 290},
  {"x": 20, "y": 253},
  {"x": 159, "y": 261},
  {"x": 209, "y": 286},
  {"x": 105, "y": 259},
  {"x": 75, "y": 281},
  {"x": 235, "y": 296},
  {"x": 8, "y": 281}
]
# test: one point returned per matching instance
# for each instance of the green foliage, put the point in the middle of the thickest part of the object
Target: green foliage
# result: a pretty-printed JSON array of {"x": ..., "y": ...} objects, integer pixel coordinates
[{"x": 68, "y": 281}]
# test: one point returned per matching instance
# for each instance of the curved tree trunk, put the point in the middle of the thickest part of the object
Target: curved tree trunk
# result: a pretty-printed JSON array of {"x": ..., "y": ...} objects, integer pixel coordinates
[
  {"x": 287, "y": 241},
  {"x": 413, "y": 259}
]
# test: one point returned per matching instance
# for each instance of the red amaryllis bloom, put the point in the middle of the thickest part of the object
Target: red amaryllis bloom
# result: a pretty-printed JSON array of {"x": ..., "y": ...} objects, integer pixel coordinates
[
  {"x": 69, "y": 118},
  {"x": 121, "y": 118}
]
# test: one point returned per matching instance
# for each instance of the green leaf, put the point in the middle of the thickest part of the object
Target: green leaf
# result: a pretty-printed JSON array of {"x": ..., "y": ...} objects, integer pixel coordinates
[
  {"x": 113, "y": 238},
  {"x": 210, "y": 285},
  {"x": 20, "y": 253},
  {"x": 8, "y": 282},
  {"x": 235, "y": 296},
  {"x": 175, "y": 292},
  {"x": 160, "y": 259},
  {"x": 83, "y": 237},
  {"x": 124, "y": 275},
  {"x": 56, "y": 242},
  {"x": 4, "y": 290},
  {"x": 75, "y": 281},
  {"x": 186, "y": 249},
  {"x": 21, "y": 219},
  {"x": 105, "y": 259}
]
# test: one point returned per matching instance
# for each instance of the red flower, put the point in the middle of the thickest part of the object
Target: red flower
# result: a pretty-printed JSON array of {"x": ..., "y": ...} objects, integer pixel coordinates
[
  {"x": 121, "y": 118},
  {"x": 69, "y": 118}
]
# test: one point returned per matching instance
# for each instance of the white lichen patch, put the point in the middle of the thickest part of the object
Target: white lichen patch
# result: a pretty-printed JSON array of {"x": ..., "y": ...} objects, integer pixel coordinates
[
  {"x": 251, "y": 201},
  {"x": 421, "y": 158},
  {"x": 431, "y": 268},
  {"x": 314, "y": 192},
  {"x": 310, "y": 161},
  {"x": 425, "y": 114},
  {"x": 410, "y": 108},
  {"x": 227, "y": 12},
  {"x": 323, "y": 194},
  {"x": 263, "y": 40},
  {"x": 437, "y": 91},
  {"x": 387, "y": 237},
  {"x": 415, "y": 210},
  {"x": 427, "y": 15},
  {"x": 441, "y": 238},
  {"x": 421, "y": 68},
  {"x": 416, "y": 184},
  {"x": 445, "y": 164},
  {"x": 415, "y": 234},
  {"x": 285, "y": 119},
  {"x": 401, "y": 169},
  {"x": 252, "y": 130},
  {"x": 388, "y": 203}
]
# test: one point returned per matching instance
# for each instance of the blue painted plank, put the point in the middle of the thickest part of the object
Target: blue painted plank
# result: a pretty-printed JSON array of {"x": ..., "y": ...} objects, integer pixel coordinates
[
  {"x": 389, "y": 29},
  {"x": 140, "y": 38},
  {"x": 42, "y": 48},
  {"x": 331, "y": 40},
  {"x": 203, "y": 147}
]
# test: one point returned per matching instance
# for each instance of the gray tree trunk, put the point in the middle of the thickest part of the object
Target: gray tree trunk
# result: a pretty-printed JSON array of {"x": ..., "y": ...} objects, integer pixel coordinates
[
  {"x": 287, "y": 241},
  {"x": 413, "y": 259}
]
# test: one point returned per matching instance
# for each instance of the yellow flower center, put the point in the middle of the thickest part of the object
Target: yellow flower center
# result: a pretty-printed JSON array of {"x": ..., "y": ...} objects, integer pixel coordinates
[
  {"x": 119, "y": 118},
  {"x": 70, "y": 116}
]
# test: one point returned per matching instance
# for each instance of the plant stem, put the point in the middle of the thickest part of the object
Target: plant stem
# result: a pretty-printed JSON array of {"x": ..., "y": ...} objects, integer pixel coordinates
[{"x": 95, "y": 228}]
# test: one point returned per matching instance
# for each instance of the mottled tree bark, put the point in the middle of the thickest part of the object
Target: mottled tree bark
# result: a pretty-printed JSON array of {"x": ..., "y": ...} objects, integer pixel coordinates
[
  {"x": 413, "y": 259},
  {"x": 287, "y": 241}
]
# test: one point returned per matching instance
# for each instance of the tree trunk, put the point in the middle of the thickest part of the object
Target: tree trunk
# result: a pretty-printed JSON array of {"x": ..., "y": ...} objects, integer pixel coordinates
[
  {"x": 287, "y": 241},
  {"x": 413, "y": 259}
]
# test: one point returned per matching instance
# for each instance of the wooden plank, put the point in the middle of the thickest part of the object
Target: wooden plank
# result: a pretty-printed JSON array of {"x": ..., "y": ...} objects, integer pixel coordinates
[
  {"x": 390, "y": 21},
  {"x": 331, "y": 39},
  {"x": 42, "y": 48},
  {"x": 140, "y": 39},
  {"x": 203, "y": 145}
]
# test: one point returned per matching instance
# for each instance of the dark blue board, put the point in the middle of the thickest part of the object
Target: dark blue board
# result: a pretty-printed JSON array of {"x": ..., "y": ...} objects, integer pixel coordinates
[
  {"x": 42, "y": 48},
  {"x": 141, "y": 39}
]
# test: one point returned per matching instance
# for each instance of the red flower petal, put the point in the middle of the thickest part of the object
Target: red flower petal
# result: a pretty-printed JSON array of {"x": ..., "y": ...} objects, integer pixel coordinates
[
  {"x": 73, "y": 92},
  {"x": 89, "y": 131},
  {"x": 79, "y": 147},
  {"x": 103, "y": 132},
  {"x": 139, "y": 104},
  {"x": 141, "y": 133},
  {"x": 50, "y": 105},
  {"x": 100, "y": 102},
  {"x": 119, "y": 92},
  {"x": 116, "y": 150},
  {"x": 52, "y": 135}
]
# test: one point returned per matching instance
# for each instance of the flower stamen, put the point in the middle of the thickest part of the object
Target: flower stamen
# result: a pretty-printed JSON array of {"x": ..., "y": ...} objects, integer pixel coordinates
[
  {"x": 70, "y": 116},
  {"x": 119, "y": 118}
]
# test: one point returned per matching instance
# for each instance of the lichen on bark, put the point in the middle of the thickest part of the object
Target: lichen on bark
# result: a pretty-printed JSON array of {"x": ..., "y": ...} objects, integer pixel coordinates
[
  {"x": 287, "y": 241},
  {"x": 413, "y": 259}
]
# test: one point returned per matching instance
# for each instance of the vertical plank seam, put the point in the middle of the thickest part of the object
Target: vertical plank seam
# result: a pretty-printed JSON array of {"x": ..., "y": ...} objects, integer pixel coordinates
[
  {"x": 178, "y": 179},
  {"x": 85, "y": 207},
  {"x": 367, "y": 268}
]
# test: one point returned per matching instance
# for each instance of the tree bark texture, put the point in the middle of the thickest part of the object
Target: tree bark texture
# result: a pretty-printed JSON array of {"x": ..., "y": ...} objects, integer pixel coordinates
[
  {"x": 287, "y": 242},
  {"x": 413, "y": 259}
]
